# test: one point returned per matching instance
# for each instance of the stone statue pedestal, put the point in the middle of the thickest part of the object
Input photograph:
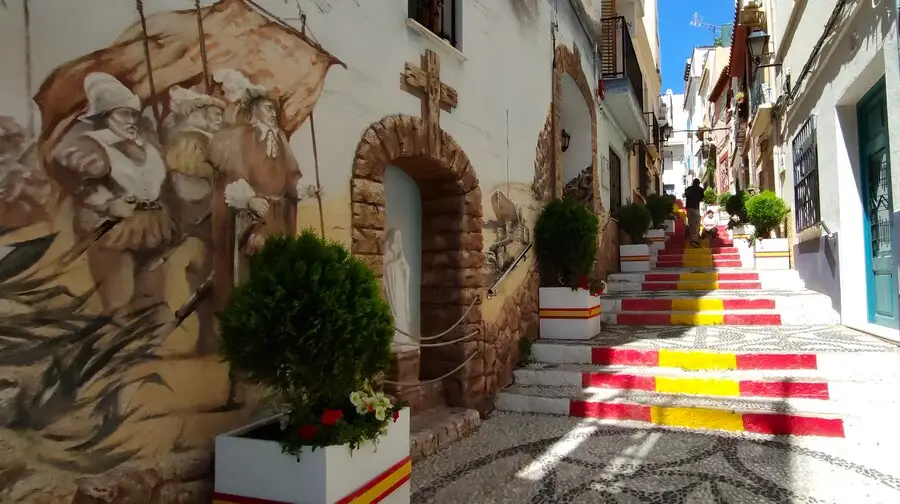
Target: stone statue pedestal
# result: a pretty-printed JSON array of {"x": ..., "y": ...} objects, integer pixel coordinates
[{"x": 405, "y": 370}]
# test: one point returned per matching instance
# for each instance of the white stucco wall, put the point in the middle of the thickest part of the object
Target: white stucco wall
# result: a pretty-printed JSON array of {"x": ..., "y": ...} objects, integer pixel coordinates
[{"x": 864, "y": 52}]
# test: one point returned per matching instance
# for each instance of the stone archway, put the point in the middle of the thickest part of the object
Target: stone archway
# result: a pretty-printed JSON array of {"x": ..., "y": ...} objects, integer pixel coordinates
[
  {"x": 452, "y": 247},
  {"x": 567, "y": 62}
]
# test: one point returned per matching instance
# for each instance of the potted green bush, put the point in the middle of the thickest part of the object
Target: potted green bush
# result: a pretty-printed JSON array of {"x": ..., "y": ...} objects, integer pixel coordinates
[
  {"x": 634, "y": 221},
  {"x": 565, "y": 240},
  {"x": 741, "y": 229},
  {"x": 660, "y": 208},
  {"x": 311, "y": 328},
  {"x": 765, "y": 212}
]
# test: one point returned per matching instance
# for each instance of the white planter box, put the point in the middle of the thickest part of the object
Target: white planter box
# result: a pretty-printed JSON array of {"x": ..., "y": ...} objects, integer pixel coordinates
[
  {"x": 670, "y": 226},
  {"x": 568, "y": 314},
  {"x": 741, "y": 237},
  {"x": 247, "y": 468},
  {"x": 634, "y": 258},
  {"x": 772, "y": 254},
  {"x": 656, "y": 238}
]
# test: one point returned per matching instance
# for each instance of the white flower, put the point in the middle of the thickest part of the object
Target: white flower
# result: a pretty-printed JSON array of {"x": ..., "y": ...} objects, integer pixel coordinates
[
  {"x": 356, "y": 399},
  {"x": 238, "y": 194},
  {"x": 380, "y": 414}
]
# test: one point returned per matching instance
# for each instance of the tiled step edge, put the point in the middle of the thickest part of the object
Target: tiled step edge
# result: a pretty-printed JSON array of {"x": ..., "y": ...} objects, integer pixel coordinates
[
  {"x": 747, "y": 318},
  {"x": 563, "y": 353}
]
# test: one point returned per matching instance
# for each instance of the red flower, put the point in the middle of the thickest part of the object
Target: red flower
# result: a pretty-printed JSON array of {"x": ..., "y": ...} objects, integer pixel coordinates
[
  {"x": 330, "y": 417},
  {"x": 582, "y": 283},
  {"x": 396, "y": 415},
  {"x": 307, "y": 432}
]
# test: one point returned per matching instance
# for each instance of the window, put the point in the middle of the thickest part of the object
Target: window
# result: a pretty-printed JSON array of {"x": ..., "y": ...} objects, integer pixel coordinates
[
  {"x": 806, "y": 175},
  {"x": 615, "y": 182},
  {"x": 441, "y": 17},
  {"x": 669, "y": 188}
]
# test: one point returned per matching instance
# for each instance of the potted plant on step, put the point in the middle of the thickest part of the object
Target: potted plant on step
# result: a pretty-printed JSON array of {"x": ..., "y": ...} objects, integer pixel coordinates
[
  {"x": 660, "y": 208},
  {"x": 566, "y": 240},
  {"x": 765, "y": 212},
  {"x": 311, "y": 328},
  {"x": 741, "y": 230},
  {"x": 634, "y": 221}
]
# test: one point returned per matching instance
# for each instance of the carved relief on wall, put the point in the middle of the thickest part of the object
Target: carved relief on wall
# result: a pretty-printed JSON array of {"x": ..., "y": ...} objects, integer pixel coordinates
[
  {"x": 542, "y": 187},
  {"x": 166, "y": 176}
]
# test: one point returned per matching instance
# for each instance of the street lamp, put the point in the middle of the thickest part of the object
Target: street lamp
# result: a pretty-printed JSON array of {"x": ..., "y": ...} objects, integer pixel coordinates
[
  {"x": 758, "y": 42},
  {"x": 565, "y": 140}
]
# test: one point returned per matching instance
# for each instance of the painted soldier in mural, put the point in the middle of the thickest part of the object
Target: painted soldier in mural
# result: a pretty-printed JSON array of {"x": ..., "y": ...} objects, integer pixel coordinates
[
  {"x": 24, "y": 189},
  {"x": 195, "y": 118},
  {"x": 115, "y": 171},
  {"x": 259, "y": 177}
]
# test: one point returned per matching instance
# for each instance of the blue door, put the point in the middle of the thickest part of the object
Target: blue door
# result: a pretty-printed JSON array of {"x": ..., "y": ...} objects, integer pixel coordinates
[{"x": 875, "y": 169}]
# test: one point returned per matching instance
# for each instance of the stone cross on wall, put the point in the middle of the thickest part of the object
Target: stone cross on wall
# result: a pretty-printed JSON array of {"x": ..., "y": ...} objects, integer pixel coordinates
[{"x": 426, "y": 81}]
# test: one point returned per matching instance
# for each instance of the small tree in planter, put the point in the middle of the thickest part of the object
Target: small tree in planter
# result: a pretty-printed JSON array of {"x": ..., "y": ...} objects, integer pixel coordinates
[
  {"x": 565, "y": 240},
  {"x": 660, "y": 208},
  {"x": 735, "y": 206},
  {"x": 709, "y": 196},
  {"x": 634, "y": 221},
  {"x": 312, "y": 328},
  {"x": 766, "y": 212}
]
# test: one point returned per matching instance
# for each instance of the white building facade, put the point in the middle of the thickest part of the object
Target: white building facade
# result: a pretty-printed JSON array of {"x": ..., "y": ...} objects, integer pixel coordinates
[{"x": 676, "y": 146}]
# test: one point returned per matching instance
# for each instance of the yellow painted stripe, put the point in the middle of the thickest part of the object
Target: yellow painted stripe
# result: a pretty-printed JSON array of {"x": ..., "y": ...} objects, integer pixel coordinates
[
  {"x": 697, "y": 286},
  {"x": 697, "y": 305},
  {"x": 696, "y": 361},
  {"x": 634, "y": 258},
  {"x": 698, "y": 277},
  {"x": 379, "y": 489},
  {"x": 741, "y": 236},
  {"x": 698, "y": 318},
  {"x": 574, "y": 314},
  {"x": 771, "y": 254},
  {"x": 697, "y": 418},
  {"x": 698, "y": 386}
]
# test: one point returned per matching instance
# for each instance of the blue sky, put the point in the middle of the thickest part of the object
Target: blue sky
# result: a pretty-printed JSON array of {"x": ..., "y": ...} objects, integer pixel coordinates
[{"x": 677, "y": 37}]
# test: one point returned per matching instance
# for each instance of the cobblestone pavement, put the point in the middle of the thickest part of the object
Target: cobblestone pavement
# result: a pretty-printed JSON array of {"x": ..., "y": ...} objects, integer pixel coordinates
[{"x": 523, "y": 458}]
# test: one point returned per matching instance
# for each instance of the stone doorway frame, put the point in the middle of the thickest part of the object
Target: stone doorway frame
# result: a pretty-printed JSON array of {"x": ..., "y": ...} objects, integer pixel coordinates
[
  {"x": 567, "y": 62},
  {"x": 452, "y": 247}
]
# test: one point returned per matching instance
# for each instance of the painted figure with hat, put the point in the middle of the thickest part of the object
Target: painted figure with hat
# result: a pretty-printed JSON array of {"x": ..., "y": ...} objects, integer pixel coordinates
[
  {"x": 260, "y": 178},
  {"x": 115, "y": 170},
  {"x": 195, "y": 118},
  {"x": 24, "y": 188}
]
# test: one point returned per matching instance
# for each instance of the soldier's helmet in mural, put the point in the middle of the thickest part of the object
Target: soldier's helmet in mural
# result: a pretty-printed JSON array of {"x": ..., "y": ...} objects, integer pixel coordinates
[{"x": 105, "y": 93}]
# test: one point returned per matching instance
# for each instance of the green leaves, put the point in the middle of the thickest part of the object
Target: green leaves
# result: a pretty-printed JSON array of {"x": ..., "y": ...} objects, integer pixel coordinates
[
  {"x": 765, "y": 211},
  {"x": 660, "y": 207},
  {"x": 635, "y": 220},
  {"x": 709, "y": 196},
  {"x": 566, "y": 239},
  {"x": 310, "y": 323}
]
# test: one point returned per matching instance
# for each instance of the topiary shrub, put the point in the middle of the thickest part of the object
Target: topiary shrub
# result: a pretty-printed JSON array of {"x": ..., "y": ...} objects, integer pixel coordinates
[
  {"x": 722, "y": 199},
  {"x": 660, "y": 208},
  {"x": 634, "y": 220},
  {"x": 765, "y": 211},
  {"x": 735, "y": 206},
  {"x": 709, "y": 196},
  {"x": 565, "y": 240},
  {"x": 311, "y": 326}
]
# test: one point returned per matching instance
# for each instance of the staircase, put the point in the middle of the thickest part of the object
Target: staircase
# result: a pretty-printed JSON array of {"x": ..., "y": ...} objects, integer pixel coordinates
[{"x": 701, "y": 343}]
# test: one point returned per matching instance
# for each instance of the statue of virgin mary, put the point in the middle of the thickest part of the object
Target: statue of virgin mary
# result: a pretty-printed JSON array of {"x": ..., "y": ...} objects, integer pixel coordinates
[{"x": 396, "y": 289}]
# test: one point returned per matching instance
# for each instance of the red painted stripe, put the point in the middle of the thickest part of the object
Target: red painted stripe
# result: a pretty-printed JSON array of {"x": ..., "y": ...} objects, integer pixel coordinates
[
  {"x": 609, "y": 411},
  {"x": 674, "y": 277},
  {"x": 619, "y": 381},
  {"x": 717, "y": 264},
  {"x": 237, "y": 499},
  {"x": 393, "y": 487},
  {"x": 644, "y": 319},
  {"x": 658, "y": 286},
  {"x": 573, "y": 309},
  {"x": 751, "y": 319},
  {"x": 776, "y": 361},
  {"x": 646, "y": 304},
  {"x": 664, "y": 286},
  {"x": 784, "y": 425},
  {"x": 377, "y": 479},
  {"x": 609, "y": 356},
  {"x": 661, "y": 277},
  {"x": 784, "y": 389},
  {"x": 748, "y": 304}
]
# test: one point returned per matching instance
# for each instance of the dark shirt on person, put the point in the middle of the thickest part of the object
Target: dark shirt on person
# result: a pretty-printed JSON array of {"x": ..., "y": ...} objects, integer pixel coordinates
[{"x": 693, "y": 195}]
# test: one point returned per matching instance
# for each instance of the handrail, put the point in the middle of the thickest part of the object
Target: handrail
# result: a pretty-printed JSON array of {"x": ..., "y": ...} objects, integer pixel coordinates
[
  {"x": 493, "y": 290},
  {"x": 452, "y": 327},
  {"x": 432, "y": 380}
]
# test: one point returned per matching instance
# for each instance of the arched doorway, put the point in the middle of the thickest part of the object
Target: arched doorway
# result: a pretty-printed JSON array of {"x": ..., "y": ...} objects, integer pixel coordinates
[
  {"x": 450, "y": 240},
  {"x": 575, "y": 113}
]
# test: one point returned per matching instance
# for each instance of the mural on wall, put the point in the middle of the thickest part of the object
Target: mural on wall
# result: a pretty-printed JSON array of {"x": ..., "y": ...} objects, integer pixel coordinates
[
  {"x": 164, "y": 161},
  {"x": 511, "y": 230}
]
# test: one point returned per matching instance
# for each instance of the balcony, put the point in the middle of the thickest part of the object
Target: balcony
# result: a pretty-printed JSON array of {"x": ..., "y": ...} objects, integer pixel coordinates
[
  {"x": 761, "y": 104},
  {"x": 622, "y": 78},
  {"x": 653, "y": 146}
]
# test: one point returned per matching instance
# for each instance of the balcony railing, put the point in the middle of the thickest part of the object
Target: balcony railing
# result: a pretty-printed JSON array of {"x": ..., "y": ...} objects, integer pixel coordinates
[
  {"x": 653, "y": 125},
  {"x": 760, "y": 93},
  {"x": 643, "y": 174},
  {"x": 618, "y": 58}
]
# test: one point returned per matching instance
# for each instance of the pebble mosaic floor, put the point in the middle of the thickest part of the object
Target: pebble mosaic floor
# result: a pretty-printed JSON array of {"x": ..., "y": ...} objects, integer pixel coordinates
[{"x": 537, "y": 459}]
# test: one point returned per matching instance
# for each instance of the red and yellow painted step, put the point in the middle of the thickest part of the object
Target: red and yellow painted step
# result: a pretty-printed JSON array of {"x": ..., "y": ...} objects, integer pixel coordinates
[
  {"x": 700, "y": 286},
  {"x": 714, "y": 419},
  {"x": 698, "y": 360},
  {"x": 713, "y": 387},
  {"x": 716, "y": 263},
  {"x": 700, "y": 277}
]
